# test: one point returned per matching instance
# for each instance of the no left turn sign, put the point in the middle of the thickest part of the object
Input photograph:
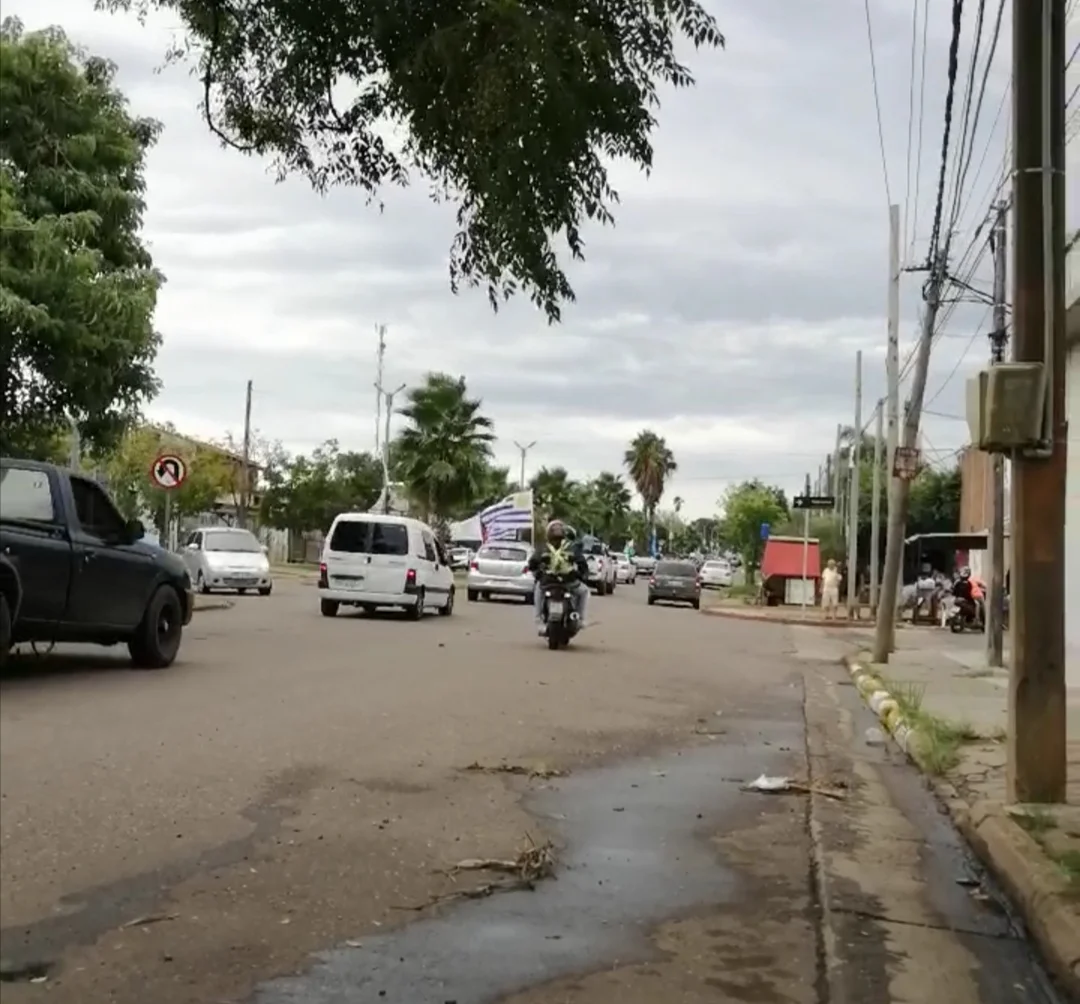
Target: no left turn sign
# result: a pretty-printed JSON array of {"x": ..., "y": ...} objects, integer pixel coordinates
[{"x": 168, "y": 471}]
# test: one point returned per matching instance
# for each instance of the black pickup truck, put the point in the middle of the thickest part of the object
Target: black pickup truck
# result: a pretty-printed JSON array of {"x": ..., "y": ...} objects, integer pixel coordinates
[{"x": 73, "y": 570}]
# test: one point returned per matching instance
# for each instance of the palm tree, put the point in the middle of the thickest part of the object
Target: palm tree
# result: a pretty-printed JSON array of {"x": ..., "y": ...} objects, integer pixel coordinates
[
  {"x": 444, "y": 454},
  {"x": 554, "y": 492},
  {"x": 650, "y": 463}
]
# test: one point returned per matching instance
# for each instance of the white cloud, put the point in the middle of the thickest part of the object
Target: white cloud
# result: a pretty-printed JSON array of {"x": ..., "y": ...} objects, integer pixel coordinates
[{"x": 723, "y": 310}]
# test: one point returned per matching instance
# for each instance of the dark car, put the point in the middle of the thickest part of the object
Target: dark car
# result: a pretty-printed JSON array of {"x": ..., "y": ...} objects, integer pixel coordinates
[
  {"x": 73, "y": 570},
  {"x": 675, "y": 582}
]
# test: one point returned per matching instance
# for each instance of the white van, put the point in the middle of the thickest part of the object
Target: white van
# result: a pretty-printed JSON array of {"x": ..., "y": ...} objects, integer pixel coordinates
[{"x": 370, "y": 561}]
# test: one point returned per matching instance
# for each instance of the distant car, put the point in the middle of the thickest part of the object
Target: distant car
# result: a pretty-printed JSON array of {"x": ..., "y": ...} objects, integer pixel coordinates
[
  {"x": 601, "y": 565},
  {"x": 675, "y": 582},
  {"x": 501, "y": 569},
  {"x": 645, "y": 563},
  {"x": 716, "y": 574},
  {"x": 224, "y": 557},
  {"x": 460, "y": 557},
  {"x": 625, "y": 570}
]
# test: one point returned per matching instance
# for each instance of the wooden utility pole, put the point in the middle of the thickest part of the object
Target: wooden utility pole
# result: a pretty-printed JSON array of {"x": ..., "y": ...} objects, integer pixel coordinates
[
  {"x": 245, "y": 473},
  {"x": 875, "y": 509},
  {"x": 1036, "y": 769},
  {"x": 995, "y": 608},
  {"x": 885, "y": 626},
  {"x": 854, "y": 451}
]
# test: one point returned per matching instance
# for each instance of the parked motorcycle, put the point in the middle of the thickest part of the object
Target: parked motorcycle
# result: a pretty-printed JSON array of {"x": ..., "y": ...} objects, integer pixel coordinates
[{"x": 559, "y": 614}]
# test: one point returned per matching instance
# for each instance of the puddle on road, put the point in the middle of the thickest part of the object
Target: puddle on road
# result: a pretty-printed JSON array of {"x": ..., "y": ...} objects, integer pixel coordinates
[{"x": 635, "y": 852}]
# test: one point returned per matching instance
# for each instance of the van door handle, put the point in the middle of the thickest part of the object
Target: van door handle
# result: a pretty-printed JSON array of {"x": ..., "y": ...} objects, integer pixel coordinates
[{"x": 88, "y": 556}]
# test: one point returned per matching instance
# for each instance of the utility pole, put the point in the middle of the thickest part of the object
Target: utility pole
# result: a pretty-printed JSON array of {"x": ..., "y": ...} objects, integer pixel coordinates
[
  {"x": 75, "y": 451},
  {"x": 389, "y": 395},
  {"x": 995, "y": 608},
  {"x": 1036, "y": 762},
  {"x": 853, "y": 498},
  {"x": 875, "y": 510},
  {"x": 380, "y": 330},
  {"x": 892, "y": 351},
  {"x": 885, "y": 626},
  {"x": 837, "y": 506},
  {"x": 523, "y": 450},
  {"x": 245, "y": 473}
]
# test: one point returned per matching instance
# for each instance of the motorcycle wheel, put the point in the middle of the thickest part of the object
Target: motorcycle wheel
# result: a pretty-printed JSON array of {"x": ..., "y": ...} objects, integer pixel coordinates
[{"x": 956, "y": 625}]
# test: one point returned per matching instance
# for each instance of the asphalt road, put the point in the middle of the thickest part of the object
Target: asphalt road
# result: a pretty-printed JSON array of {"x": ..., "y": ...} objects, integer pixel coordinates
[{"x": 296, "y": 783}]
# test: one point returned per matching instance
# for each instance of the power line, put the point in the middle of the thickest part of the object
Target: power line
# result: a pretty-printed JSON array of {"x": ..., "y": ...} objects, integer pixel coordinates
[
  {"x": 933, "y": 257},
  {"x": 877, "y": 102}
]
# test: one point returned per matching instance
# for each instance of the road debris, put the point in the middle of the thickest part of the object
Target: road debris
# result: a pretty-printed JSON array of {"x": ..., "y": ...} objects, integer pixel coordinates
[
  {"x": 520, "y": 770},
  {"x": 148, "y": 919},
  {"x": 788, "y": 785},
  {"x": 533, "y": 863}
]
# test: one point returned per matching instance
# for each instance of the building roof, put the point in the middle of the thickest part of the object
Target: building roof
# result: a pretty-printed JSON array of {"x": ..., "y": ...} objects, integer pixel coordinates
[{"x": 784, "y": 557}]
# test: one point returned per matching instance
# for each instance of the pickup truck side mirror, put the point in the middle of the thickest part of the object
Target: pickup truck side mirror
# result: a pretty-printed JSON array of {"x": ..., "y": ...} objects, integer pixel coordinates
[
  {"x": 193, "y": 546},
  {"x": 134, "y": 529}
]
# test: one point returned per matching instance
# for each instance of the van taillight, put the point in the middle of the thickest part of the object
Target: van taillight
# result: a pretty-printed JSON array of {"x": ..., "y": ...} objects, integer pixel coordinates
[
  {"x": 474, "y": 565},
  {"x": 323, "y": 582},
  {"x": 410, "y": 577}
]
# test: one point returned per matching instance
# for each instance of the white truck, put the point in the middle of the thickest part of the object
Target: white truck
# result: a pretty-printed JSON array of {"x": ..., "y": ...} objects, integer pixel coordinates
[{"x": 602, "y": 576}]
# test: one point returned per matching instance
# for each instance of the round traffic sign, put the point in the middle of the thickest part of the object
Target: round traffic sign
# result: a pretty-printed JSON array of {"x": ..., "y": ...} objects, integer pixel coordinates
[{"x": 168, "y": 471}]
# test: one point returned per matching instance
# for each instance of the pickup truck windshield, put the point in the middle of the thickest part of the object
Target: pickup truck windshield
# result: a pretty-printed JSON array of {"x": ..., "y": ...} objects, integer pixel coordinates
[{"x": 232, "y": 540}]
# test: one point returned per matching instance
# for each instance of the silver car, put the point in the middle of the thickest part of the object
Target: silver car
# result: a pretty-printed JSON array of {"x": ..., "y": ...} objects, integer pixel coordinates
[
  {"x": 501, "y": 569},
  {"x": 223, "y": 557}
]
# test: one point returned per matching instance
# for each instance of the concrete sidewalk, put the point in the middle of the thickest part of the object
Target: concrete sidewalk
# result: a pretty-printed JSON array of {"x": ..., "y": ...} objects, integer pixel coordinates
[{"x": 947, "y": 709}]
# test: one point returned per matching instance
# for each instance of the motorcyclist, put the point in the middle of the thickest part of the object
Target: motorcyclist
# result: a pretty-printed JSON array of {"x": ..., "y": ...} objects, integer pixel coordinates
[
  {"x": 969, "y": 595},
  {"x": 561, "y": 558}
]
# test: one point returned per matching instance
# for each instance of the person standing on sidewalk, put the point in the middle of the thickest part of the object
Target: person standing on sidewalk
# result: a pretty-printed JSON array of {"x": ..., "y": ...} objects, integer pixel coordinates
[{"x": 830, "y": 589}]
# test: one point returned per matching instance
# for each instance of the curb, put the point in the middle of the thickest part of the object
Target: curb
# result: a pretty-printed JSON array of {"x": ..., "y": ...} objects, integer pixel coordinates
[
  {"x": 737, "y": 615},
  {"x": 1014, "y": 857}
]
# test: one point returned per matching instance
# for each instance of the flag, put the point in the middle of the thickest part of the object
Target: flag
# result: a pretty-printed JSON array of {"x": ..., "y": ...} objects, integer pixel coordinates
[{"x": 506, "y": 520}]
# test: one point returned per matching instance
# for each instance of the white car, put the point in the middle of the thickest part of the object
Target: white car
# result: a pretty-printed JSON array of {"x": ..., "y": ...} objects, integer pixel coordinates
[
  {"x": 716, "y": 574},
  {"x": 372, "y": 561},
  {"x": 601, "y": 566},
  {"x": 224, "y": 557},
  {"x": 625, "y": 570}
]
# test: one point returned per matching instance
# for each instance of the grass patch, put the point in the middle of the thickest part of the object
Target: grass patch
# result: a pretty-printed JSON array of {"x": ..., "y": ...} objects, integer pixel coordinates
[
  {"x": 1035, "y": 820},
  {"x": 1069, "y": 863},
  {"x": 938, "y": 740},
  {"x": 741, "y": 591}
]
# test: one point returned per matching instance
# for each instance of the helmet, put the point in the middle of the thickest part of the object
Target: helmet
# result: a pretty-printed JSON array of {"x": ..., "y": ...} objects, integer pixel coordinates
[
  {"x": 965, "y": 572},
  {"x": 556, "y": 531}
]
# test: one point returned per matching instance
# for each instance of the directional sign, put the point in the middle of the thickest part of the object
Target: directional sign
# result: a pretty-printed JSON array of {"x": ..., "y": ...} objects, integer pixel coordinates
[
  {"x": 813, "y": 502},
  {"x": 765, "y": 528},
  {"x": 168, "y": 471}
]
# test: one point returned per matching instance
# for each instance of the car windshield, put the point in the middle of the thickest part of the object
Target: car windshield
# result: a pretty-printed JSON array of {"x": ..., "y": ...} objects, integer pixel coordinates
[
  {"x": 232, "y": 540},
  {"x": 503, "y": 554},
  {"x": 677, "y": 569}
]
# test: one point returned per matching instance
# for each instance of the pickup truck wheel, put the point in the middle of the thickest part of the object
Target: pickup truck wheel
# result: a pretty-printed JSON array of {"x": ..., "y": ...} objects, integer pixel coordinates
[
  {"x": 157, "y": 638},
  {"x": 200, "y": 584},
  {"x": 5, "y": 629},
  {"x": 328, "y": 608}
]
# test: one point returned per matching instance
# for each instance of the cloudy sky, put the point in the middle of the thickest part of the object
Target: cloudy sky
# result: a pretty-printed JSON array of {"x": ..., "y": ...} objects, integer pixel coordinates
[{"x": 724, "y": 310}]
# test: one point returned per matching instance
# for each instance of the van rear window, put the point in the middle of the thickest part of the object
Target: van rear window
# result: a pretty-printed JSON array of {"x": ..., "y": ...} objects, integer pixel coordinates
[{"x": 354, "y": 536}]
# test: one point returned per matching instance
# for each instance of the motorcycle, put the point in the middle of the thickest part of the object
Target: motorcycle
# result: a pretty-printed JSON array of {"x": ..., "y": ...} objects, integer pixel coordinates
[
  {"x": 965, "y": 615},
  {"x": 559, "y": 614}
]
